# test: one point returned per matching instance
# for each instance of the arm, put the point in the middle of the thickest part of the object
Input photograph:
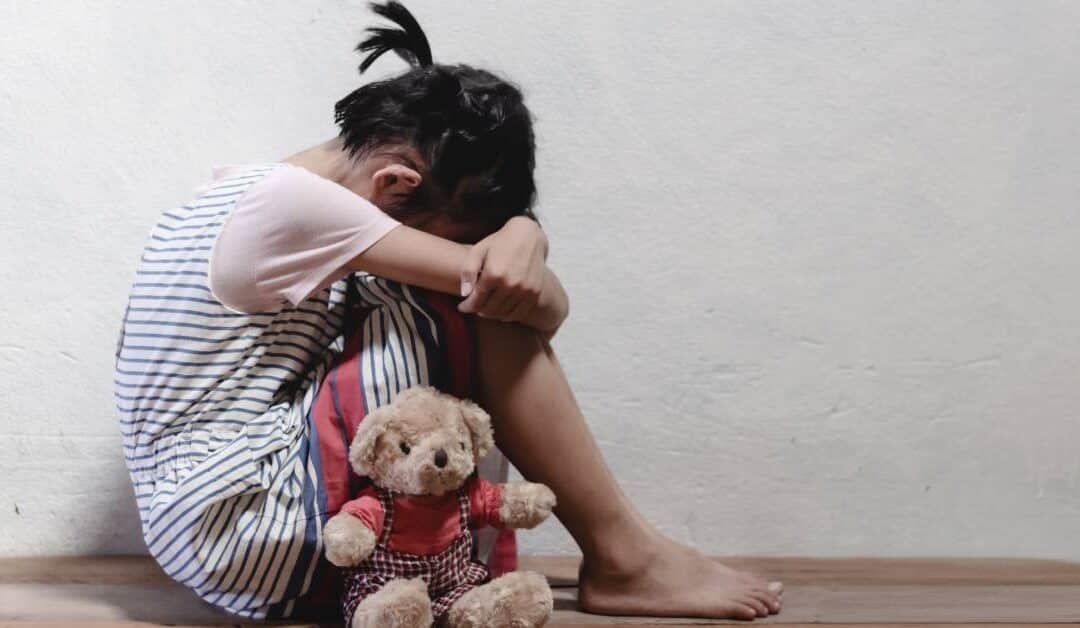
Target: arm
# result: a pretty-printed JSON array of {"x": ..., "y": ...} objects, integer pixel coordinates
[
  {"x": 349, "y": 537},
  {"x": 414, "y": 257},
  {"x": 505, "y": 277},
  {"x": 509, "y": 505},
  {"x": 525, "y": 504},
  {"x": 294, "y": 233},
  {"x": 418, "y": 258}
]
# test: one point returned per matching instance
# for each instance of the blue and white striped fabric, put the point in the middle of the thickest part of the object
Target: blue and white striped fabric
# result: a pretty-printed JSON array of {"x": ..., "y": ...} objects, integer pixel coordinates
[
  {"x": 216, "y": 408},
  {"x": 213, "y": 409}
]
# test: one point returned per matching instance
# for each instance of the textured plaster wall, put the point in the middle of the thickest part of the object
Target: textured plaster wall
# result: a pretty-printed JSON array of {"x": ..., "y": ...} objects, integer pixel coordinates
[{"x": 823, "y": 256}]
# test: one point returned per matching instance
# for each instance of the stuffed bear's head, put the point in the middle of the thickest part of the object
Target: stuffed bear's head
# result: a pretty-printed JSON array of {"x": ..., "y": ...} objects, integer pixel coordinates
[{"x": 424, "y": 443}]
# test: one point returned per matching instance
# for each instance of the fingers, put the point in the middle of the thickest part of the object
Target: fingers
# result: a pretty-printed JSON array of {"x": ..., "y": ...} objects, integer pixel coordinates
[
  {"x": 471, "y": 287},
  {"x": 503, "y": 275},
  {"x": 509, "y": 301},
  {"x": 498, "y": 287},
  {"x": 523, "y": 307},
  {"x": 470, "y": 270},
  {"x": 500, "y": 294},
  {"x": 477, "y": 298},
  {"x": 501, "y": 301}
]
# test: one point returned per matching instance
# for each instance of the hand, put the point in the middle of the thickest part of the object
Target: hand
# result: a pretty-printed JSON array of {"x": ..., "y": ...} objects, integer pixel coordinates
[{"x": 503, "y": 277}]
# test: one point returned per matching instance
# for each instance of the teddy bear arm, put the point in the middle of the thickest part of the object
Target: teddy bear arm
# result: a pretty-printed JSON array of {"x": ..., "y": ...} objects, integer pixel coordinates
[
  {"x": 347, "y": 540},
  {"x": 525, "y": 504}
]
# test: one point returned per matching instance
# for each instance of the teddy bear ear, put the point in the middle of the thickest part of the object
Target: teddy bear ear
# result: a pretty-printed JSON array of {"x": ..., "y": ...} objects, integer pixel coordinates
[
  {"x": 479, "y": 424},
  {"x": 362, "y": 450}
]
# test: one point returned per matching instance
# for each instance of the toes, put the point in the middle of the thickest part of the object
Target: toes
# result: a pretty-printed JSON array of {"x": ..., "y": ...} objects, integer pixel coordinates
[
  {"x": 743, "y": 611},
  {"x": 773, "y": 604},
  {"x": 759, "y": 607},
  {"x": 768, "y": 599},
  {"x": 752, "y": 579}
]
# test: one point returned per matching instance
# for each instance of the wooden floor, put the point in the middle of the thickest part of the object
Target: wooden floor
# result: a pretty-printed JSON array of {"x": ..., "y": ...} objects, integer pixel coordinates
[{"x": 132, "y": 591}]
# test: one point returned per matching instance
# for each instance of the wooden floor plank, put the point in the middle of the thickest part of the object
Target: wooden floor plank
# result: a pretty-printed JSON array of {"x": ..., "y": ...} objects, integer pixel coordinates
[
  {"x": 560, "y": 624},
  {"x": 139, "y": 624},
  {"x": 132, "y": 591},
  {"x": 562, "y": 570},
  {"x": 892, "y": 603},
  {"x": 82, "y": 570}
]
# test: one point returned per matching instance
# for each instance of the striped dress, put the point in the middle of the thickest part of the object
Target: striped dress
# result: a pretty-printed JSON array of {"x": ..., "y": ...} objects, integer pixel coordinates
[{"x": 234, "y": 446}]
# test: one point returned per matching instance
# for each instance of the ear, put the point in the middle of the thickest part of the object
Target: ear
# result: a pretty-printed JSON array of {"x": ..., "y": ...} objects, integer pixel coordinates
[
  {"x": 393, "y": 184},
  {"x": 479, "y": 424},
  {"x": 363, "y": 447}
]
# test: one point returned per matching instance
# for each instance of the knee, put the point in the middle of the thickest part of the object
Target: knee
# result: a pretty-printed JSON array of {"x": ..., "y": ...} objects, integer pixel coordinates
[{"x": 499, "y": 335}]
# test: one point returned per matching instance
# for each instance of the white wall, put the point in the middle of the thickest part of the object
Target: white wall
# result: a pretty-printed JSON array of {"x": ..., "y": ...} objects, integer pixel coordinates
[{"x": 823, "y": 256}]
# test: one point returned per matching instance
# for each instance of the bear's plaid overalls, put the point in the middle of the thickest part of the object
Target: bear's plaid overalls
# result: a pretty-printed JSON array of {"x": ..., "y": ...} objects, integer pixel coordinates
[{"x": 449, "y": 574}]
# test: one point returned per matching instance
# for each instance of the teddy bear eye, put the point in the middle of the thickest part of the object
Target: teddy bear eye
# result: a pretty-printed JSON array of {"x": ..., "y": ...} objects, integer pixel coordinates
[
  {"x": 462, "y": 445},
  {"x": 405, "y": 448}
]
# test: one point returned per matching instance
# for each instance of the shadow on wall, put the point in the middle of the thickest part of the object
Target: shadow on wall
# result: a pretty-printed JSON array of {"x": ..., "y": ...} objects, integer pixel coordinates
[{"x": 113, "y": 520}]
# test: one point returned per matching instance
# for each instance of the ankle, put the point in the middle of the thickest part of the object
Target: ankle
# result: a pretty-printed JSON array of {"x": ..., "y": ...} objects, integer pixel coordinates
[{"x": 621, "y": 560}]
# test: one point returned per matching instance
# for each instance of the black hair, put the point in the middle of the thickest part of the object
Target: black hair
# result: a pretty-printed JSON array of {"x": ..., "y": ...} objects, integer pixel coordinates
[{"x": 471, "y": 126}]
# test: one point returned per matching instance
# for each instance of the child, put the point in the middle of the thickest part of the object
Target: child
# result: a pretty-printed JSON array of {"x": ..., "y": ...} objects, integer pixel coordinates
[{"x": 236, "y": 335}]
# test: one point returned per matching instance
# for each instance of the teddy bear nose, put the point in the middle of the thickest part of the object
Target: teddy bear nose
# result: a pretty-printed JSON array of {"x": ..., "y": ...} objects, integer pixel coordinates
[{"x": 440, "y": 458}]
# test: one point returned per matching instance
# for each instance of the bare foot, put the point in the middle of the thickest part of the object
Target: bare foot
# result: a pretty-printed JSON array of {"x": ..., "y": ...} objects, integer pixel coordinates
[{"x": 672, "y": 580}]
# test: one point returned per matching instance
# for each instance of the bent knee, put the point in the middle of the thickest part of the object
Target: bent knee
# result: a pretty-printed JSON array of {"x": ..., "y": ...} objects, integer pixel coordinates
[{"x": 498, "y": 336}]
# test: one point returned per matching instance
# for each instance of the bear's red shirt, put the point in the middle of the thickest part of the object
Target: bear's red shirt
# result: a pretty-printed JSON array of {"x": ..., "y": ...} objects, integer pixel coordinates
[{"x": 427, "y": 524}]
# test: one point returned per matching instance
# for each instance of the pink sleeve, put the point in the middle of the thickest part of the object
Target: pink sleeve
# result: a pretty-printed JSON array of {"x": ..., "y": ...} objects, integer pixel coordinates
[
  {"x": 290, "y": 235},
  {"x": 367, "y": 509},
  {"x": 484, "y": 501}
]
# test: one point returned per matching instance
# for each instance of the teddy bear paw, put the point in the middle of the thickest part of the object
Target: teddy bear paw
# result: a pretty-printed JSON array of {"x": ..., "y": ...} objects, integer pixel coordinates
[
  {"x": 525, "y": 504},
  {"x": 399, "y": 603},
  {"x": 347, "y": 540},
  {"x": 519, "y": 599}
]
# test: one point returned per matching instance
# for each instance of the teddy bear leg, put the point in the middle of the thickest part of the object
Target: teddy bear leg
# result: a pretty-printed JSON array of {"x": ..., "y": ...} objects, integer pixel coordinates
[
  {"x": 519, "y": 599},
  {"x": 399, "y": 604}
]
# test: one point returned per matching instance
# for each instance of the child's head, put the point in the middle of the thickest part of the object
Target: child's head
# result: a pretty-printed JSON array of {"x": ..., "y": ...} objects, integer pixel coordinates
[{"x": 465, "y": 131}]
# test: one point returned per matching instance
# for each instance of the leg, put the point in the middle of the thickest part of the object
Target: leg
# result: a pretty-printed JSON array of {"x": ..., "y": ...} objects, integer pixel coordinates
[
  {"x": 628, "y": 567},
  {"x": 519, "y": 598},
  {"x": 399, "y": 604}
]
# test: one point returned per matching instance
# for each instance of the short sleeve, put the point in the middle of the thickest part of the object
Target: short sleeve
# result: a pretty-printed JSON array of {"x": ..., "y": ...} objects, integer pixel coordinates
[
  {"x": 484, "y": 501},
  {"x": 290, "y": 235},
  {"x": 367, "y": 509}
]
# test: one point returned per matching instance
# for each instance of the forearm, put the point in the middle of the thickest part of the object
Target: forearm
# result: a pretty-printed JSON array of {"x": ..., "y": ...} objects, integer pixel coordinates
[
  {"x": 417, "y": 258},
  {"x": 421, "y": 259}
]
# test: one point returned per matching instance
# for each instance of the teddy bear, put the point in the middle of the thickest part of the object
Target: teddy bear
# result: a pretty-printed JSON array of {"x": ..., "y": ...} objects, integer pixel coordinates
[{"x": 404, "y": 542}]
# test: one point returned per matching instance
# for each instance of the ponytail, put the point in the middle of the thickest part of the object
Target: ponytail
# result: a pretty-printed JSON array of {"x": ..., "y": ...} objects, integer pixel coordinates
[{"x": 409, "y": 41}]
